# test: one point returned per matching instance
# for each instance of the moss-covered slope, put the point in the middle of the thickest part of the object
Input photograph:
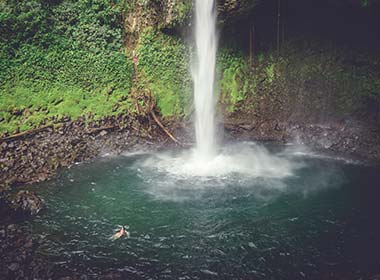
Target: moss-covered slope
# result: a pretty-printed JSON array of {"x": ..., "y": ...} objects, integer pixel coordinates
[{"x": 61, "y": 59}]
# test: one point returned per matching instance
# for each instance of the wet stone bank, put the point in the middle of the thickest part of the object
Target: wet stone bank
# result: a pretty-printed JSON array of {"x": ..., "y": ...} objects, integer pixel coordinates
[
  {"x": 346, "y": 138},
  {"x": 34, "y": 157}
]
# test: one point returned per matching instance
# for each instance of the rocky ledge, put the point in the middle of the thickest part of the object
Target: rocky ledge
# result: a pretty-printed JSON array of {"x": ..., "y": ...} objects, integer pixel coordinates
[{"x": 348, "y": 138}]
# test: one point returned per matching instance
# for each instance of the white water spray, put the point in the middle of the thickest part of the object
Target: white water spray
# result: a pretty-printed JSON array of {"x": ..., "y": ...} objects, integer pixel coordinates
[{"x": 204, "y": 78}]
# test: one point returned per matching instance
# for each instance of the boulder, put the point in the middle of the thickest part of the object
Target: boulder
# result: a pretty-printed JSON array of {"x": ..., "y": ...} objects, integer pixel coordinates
[
  {"x": 14, "y": 267},
  {"x": 27, "y": 202}
]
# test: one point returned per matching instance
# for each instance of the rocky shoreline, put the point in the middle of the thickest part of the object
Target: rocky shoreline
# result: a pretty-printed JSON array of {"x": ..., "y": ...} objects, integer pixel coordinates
[{"x": 34, "y": 158}]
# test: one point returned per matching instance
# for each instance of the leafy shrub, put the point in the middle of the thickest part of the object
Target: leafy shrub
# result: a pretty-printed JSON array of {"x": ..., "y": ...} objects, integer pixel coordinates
[{"x": 234, "y": 83}]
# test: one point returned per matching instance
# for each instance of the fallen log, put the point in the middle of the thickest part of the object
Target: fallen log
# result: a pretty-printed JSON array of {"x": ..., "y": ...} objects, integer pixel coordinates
[
  {"x": 164, "y": 129},
  {"x": 151, "y": 104},
  {"x": 25, "y": 133}
]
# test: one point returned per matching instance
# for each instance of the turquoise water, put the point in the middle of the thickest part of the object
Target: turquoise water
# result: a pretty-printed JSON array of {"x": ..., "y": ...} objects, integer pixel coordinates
[{"x": 317, "y": 218}]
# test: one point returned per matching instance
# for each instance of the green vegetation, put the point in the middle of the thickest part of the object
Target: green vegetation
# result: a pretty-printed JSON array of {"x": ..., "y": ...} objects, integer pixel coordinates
[
  {"x": 66, "y": 59},
  {"x": 314, "y": 75},
  {"x": 164, "y": 71},
  {"x": 233, "y": 84},
  {"x": 61, "y": 59},
  {"x": 239, "y": 82},
  {"x": 349, "y": 78}
]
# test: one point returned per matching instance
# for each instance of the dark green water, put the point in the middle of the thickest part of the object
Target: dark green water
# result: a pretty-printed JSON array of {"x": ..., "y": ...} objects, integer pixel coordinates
[{"x": 318, "y": 220}]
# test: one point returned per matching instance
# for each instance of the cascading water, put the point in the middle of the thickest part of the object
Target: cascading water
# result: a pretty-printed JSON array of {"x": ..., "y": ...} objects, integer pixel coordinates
[{"x": 204, "y": 78}]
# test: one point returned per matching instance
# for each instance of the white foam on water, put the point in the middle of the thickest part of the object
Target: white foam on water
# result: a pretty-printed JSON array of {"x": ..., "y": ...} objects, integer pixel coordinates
[
  {"x": 183, "y": 175},
  {"x": 245, "y": 159},
  {"x": 137, "y": 152},
  {"x": 302, "y": 151}
]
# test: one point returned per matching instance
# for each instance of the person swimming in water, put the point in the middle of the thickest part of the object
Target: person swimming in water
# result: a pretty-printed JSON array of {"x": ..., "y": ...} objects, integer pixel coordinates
[{"x": 120, "y": 233}]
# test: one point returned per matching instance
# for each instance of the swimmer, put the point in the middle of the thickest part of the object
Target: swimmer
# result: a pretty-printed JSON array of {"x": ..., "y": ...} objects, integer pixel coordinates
[{"x": 120, "y": 233}]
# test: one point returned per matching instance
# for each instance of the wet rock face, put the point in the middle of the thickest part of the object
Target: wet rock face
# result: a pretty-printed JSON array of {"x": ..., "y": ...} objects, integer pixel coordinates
[
  {"x": 176, "y": 14},
  {"x": 234, "y": 9},
  {"x": 354, "y": 139},
  {"x": 27, "y": 202},
  {"x": 168, "y": 14}
]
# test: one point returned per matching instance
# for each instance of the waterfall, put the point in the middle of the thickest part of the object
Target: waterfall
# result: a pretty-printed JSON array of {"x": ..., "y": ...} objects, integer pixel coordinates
[
  {"x": 207, "y": 159},
  {"x": 204, "y": 78}
]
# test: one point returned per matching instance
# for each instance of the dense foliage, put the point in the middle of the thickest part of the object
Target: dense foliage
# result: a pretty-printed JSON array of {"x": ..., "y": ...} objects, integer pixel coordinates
[
  {"x": 164, "y": 70},
  {"x": 61, "y": 58},
  {"x": 232, "y": 69}
]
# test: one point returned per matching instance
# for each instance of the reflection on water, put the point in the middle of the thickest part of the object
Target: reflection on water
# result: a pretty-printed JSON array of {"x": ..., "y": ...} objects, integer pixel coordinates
[{"x": 252, "y": 213}]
